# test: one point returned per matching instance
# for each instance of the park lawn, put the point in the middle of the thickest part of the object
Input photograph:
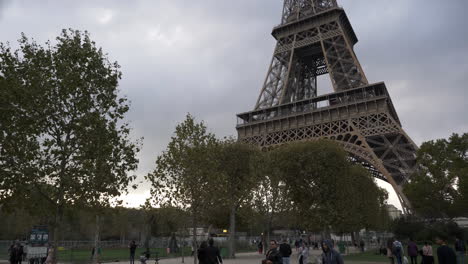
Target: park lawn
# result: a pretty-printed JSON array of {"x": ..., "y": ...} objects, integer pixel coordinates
[
  {"x": 371, "y": 256},
  {"x": 368, "y": 256}
]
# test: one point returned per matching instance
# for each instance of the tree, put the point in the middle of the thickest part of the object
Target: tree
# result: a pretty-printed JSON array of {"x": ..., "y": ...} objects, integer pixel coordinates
[
  {"x": 458, "y": 146},
  {"x": 185, "y": 171},
  {"x": 326, "y": 189},
  {"x": 312, "y": 171},
  {"x": 439, "y": 188},
  {"x": 237, "y": 177},
  {"x": 270, "y": 197},
  {"x": 65, "y": 143},
  {"x": 361, "y": 204}
]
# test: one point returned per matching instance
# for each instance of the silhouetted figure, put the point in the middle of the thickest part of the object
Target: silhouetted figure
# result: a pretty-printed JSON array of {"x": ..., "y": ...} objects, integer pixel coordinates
[
  {"x": 132, "y": 248},
  {"x": 212, "y": 253},
  {"x": 445, "y": 254}
]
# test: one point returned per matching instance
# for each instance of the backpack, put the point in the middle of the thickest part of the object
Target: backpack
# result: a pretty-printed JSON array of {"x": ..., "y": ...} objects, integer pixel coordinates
[{"x": 397, "y": 249}]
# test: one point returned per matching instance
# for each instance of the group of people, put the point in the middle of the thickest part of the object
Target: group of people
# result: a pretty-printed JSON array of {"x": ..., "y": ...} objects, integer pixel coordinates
[
  {"x": 282, "y": 254},
  {"x": 16, "y": 253},
  {"x": 445, "y": 254}
]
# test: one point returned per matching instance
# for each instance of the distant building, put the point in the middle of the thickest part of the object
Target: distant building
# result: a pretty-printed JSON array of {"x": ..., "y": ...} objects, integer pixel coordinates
[{"x": 393, "y": 212}]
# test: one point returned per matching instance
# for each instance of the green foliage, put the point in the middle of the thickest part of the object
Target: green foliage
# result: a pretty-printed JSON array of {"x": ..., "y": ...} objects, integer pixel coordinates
[
  {"x": 63, "y": 142},
  {"x": 185, "y": 169},
  {"x": 326, "y": 190},
  {"x": 65, "y": 113},
  {"x": 270, "y": 198},
  {"x": 237, "y": 174},
  {"x": 439, "y": 188},
  {"x": 168, "y": 220},
  {"x": 411, "y": 227}
]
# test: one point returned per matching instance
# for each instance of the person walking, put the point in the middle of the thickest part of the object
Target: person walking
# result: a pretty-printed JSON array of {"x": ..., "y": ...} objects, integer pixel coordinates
[
  {"x": 285, "y": 250},
  {"x": 361, "y": 245},
  {"x": 19, "y": 253},
  {"x": 329, "y": 255},
  {"x": 296, "y": 245},
  {"x": 445, "y": 254},
  {"x": 132, "y": 248},
  {"x": 397, "y": 250},
  {"x": 260, "y": 247},
  {"x": 50, "y": 255},
  {"x": 202, "y": 253},
  {"x": 389, "y": 251},
  {"x": 303, "y": 253},
  {"x": 192, "y": 247},
  {"x": 273, "y": 255},
  {"x": 212, "y": 253},
  {"x": 12, "y": 252},
  {"x": 413, "y": 251},
  {"x": 428, "y": 257},
  {"x": 460, "y": 249}
]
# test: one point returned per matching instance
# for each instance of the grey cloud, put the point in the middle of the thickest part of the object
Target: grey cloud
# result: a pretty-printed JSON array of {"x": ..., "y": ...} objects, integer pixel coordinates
[{"x": 3, "y": 7}]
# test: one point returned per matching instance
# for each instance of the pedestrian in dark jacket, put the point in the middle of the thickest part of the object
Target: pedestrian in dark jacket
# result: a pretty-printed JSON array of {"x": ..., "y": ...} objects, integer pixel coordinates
[
  {"x": 361, "y": 245},
  {"x": 285, "y": 250},
  {"x": 19, "y": 254},
  {"x": 273, "y": 255},
  {"x": 460, "y": 249},
  {"x": 202, "y": 254},
  {"x": 445, "y": 254},
  {"x": 13, "y": 252},
  {"x": 329, "y": 255},
  {"x": 413, "y": 251},
  {"x": 132, "y": 248},
  {"x": 398, "y": 251},
  {"x": 212, "y": 253}
]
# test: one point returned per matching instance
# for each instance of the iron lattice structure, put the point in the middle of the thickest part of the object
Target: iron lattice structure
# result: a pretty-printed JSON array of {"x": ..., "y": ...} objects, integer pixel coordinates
[{"x": 314, "y": 38}]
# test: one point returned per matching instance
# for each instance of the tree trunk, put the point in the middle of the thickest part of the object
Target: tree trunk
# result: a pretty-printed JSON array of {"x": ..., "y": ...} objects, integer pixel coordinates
[
  {"x": 194, "y": 239},
  {"x": 54, "y": 246},
  {"x": 148, "y": 233},
  {"x": 183, "y": 244},
  {"x": 266, "y": 245},
  {"x": 232, "y": 232},
  {"x": 327, "y": 233},
  {"x": 57, "y": 222},
  {"x": 96, "y": 240}
]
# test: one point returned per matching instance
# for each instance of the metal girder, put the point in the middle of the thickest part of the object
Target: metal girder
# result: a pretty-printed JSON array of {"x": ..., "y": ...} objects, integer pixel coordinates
[
  {"x": 296, "y": 9},
  {"x": 294, "y": 69},
  {"x": 373, "y": 139},
  {"x": 316, "y": 38}
]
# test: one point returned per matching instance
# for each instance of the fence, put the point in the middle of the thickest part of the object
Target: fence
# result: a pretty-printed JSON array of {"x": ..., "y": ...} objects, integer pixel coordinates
[{"x": 80, "y": 252}]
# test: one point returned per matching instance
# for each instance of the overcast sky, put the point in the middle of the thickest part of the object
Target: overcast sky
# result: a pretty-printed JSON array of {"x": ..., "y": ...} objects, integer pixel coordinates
[{"x": 210, "y": 57}]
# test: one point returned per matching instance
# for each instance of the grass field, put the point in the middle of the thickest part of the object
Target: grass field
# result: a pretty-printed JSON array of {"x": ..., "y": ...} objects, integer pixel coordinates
[
  {"x": 371, "y": 256},
  {"x": 83, "y": 255}
]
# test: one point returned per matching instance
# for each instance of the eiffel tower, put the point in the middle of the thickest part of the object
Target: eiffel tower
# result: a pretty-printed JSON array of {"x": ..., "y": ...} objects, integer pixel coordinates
[{"x": 315, "y": 38}]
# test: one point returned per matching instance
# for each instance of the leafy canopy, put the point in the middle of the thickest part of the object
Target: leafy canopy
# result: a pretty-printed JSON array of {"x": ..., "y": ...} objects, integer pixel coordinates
[{"x": 63, "y": 140}]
